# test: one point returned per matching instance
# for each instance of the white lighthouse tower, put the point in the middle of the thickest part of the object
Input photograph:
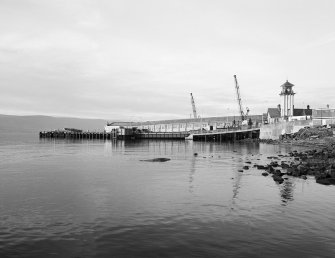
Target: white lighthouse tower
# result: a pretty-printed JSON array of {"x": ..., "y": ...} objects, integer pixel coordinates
[{"x": 287, "y": 100}]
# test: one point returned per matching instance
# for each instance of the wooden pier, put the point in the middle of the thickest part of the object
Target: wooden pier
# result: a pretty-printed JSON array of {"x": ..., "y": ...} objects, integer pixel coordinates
[
  {"x": 80, "y": 135},
  {"x": 113, "y": 135}
]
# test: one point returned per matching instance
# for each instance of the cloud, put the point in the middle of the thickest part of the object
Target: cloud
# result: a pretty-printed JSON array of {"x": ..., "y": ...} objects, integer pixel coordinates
[{"x": 115, "y": 59}]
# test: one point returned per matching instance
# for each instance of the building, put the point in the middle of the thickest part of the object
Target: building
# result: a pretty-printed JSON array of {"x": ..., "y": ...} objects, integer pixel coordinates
[
  {"x": 124, "y": 129},
  {"x": 274, "y": 115},
  {"x": 302, "y": 114},
  {"x": 326, "y": 116}
]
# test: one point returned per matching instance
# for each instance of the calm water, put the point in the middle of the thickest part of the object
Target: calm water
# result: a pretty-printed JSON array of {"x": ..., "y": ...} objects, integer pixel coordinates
[{"x": 97, "y": 199}]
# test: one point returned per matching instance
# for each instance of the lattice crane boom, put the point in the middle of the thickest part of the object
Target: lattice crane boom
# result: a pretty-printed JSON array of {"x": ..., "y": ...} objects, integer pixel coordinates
[{"x": 239, "y": 101}]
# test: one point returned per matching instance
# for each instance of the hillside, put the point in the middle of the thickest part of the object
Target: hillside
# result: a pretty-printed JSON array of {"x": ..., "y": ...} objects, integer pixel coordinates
[{"x": 33, "y": 124}]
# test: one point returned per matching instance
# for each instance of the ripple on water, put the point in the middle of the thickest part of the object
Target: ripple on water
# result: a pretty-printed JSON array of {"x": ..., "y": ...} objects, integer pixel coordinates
[{"x": 98, "y": 200}]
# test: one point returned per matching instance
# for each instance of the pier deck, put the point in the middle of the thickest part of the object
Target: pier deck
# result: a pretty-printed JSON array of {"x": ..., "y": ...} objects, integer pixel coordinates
[
  {"x": 225, "y": 134},
  {"x": 215, "y": 135}
]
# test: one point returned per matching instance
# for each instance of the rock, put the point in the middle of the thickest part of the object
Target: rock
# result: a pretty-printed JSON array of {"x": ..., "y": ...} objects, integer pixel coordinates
[
  {"x": 240, "y": 170},
  {"x": 265, "y": 174},
  {"x": 289, "y": 171},
  {"x": 326, "y": 181},
  {"x": 304, "y": 177},
  {"x": 246, "y": 167},
  {"x": 271, "y": 169},
  {"x": 296, "y": 173},
  {"x": 157, "y": 160},
  {"x": 195, "y": 154},
  {"x": 248, "y": 162},
  {"x": 274, "y": 164},
  {"x": 278, "y": 179},
  {"x": 277, "y": 172}
]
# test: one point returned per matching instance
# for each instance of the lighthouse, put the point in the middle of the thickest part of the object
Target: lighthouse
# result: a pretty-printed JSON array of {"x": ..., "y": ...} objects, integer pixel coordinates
[{"x": 287, "y": 100}]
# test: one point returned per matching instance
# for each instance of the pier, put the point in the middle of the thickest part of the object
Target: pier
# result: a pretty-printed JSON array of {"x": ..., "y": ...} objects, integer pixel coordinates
[
  {"x": 231, "y": 134},
  {"x": 80, "y": 135},
  {"x": 225, "y": 135}
]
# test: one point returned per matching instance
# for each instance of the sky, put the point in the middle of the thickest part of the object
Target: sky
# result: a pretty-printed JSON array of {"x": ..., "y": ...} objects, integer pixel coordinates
[{"x": 138, "y": 60}]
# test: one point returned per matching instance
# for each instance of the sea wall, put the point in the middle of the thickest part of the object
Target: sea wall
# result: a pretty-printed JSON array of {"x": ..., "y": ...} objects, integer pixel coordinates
[{"x": 274, "y": 131}]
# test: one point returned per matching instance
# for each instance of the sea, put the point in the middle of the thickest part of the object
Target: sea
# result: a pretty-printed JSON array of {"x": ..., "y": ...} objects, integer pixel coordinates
[{"x": 102, "y": 198}]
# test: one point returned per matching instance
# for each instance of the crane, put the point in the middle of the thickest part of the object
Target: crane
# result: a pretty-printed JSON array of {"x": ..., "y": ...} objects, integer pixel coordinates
[
  {"x": 244, "y": 116},
  {"x": 193, "y": 107}
]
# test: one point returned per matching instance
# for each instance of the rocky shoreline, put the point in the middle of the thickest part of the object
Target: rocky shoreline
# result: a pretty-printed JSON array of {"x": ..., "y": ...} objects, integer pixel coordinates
[{"x": 318, "y": 158}]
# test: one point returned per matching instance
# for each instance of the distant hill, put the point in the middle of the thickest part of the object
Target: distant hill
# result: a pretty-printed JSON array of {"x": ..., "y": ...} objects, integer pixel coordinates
[{"x": 33, "y": 124}]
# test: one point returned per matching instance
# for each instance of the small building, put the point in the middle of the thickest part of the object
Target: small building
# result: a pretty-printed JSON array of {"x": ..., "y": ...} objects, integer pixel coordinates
[{"x": 274, "y": 115}]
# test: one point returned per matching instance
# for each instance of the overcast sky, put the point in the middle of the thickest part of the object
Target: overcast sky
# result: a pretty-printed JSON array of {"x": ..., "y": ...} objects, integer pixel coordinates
[{"x": 140, "y": 59}]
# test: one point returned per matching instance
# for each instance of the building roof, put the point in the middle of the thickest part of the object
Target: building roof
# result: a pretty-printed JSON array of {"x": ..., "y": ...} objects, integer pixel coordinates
[
  {"x": 274, "y": 112},
  {"x": 287, "y": 84},
  {"x": 119, "y": 123},
  {"x": 257, "y": 118},
  {"x": 302, "y": 112}
]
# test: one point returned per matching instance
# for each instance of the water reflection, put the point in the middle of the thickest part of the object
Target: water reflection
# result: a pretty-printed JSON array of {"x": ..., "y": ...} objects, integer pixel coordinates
[
  {"x": 286, "y": 192},
  {"x": 192, "y": 173}
]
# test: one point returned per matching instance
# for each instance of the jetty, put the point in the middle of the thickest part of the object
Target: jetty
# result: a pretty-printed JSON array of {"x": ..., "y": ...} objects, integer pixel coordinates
[{"x": 228, "y": 134}]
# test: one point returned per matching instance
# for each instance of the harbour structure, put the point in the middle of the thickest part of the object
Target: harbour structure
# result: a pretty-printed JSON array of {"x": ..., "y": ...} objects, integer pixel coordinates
[
  {"x": 326, "y": 115},
  {"x": 184, "y": 125}
]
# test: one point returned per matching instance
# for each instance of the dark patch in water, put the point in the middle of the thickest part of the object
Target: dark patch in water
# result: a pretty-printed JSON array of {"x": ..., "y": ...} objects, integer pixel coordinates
[{"x": 156, "y": 160}]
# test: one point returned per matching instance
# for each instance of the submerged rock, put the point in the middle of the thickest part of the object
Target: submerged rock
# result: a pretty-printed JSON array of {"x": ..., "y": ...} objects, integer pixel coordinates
[
  {"x": 265, "y": 174},
  {"x": 246, "y": 167},
  {"x": 156, "y": 160}
]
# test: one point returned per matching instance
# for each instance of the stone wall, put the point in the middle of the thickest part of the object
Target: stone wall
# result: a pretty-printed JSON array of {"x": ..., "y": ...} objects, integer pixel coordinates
[{"x": 274, "y": 131}]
